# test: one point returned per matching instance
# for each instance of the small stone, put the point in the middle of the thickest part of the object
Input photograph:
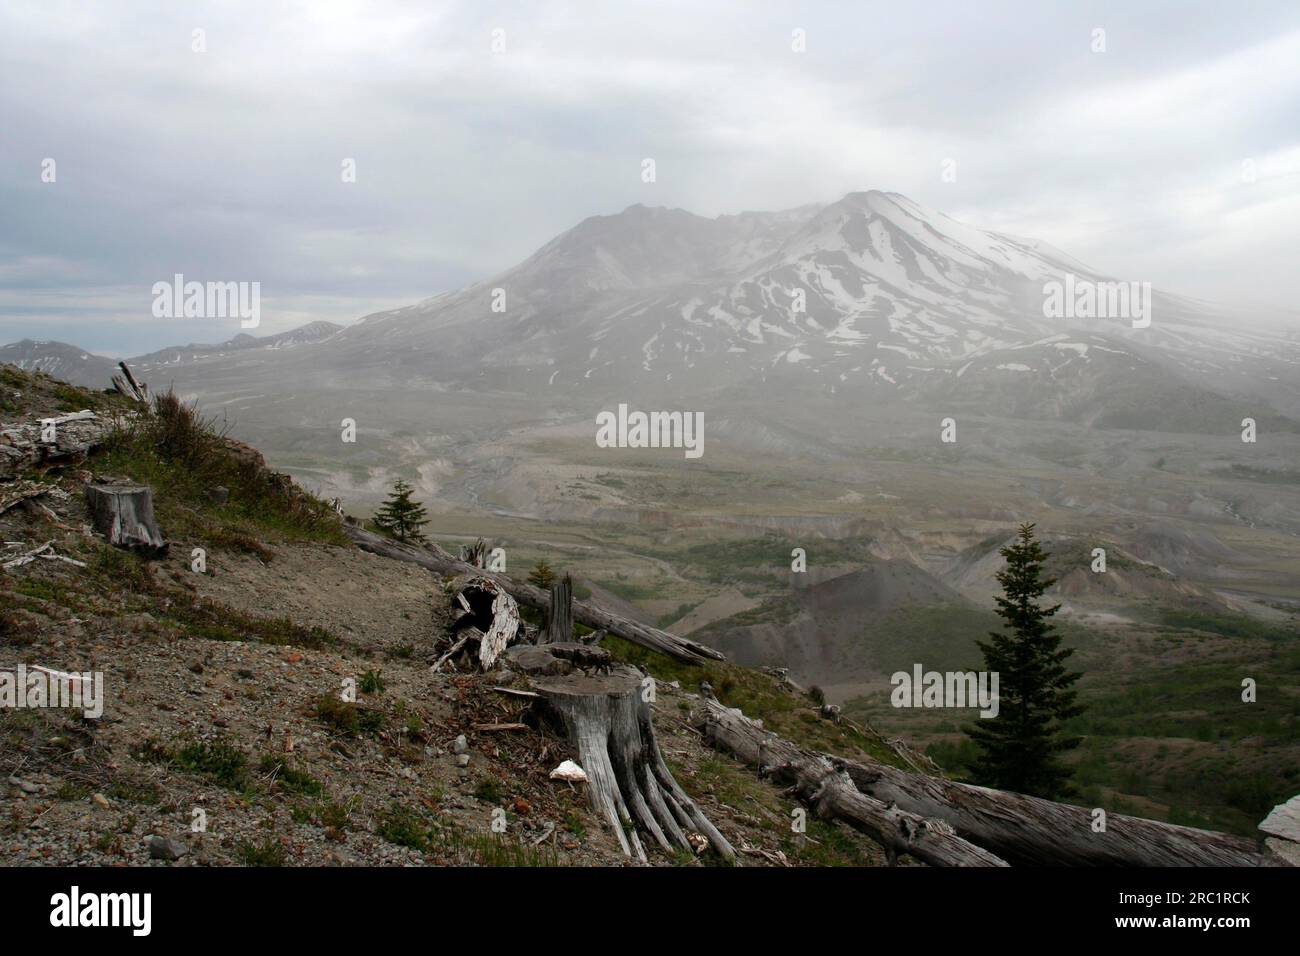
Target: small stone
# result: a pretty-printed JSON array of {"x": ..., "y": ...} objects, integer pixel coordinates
[
  {"x": 100, "y": 800},
  {"x": 462, "y": 760},
  {"x": 461, "y": 745},
  {"x": 165, "y": 848},
  {"x": 26, "y": 786}
]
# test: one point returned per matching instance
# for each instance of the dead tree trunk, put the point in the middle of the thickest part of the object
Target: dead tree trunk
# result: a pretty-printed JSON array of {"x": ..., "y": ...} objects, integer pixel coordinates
[
  {"x": 475, "y": 554},
  {"x": 1032, "y": 831},
  {"x": 1023, "y": 830},
  {"x": 829, "y": 791},
  {"x": 559, "y": 617},
  {"x": 608, "y": 720},
  {"x": 136, "y": 391},
  {"x": 489, "y": 620},
  {"x": 584, "y": 612},
  {"x": 124, "y": 515}
]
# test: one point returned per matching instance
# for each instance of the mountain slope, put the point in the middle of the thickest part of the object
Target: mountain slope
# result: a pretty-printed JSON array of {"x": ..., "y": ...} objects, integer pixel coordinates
[
  {"x": 871, "y": 294},
  {"x": 872, "y": 297},
  {"x": 60, "y": 360}
]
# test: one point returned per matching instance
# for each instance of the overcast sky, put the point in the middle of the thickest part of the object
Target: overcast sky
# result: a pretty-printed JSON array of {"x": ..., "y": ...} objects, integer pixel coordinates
[{"x": 225, "y": 164}]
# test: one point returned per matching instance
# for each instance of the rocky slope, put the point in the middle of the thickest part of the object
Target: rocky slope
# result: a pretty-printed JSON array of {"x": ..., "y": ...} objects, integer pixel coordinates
[{"x": 222, "y": 694}]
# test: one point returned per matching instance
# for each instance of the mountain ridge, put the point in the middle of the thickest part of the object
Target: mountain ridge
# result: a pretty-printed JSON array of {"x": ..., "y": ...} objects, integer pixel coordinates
[{"x": 872, "y": 295}]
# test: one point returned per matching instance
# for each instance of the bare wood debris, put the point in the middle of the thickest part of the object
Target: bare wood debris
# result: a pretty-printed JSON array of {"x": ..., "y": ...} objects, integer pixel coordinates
[
  {"x": 126, "y": 385},
  {"x": 588, "y": 613}
]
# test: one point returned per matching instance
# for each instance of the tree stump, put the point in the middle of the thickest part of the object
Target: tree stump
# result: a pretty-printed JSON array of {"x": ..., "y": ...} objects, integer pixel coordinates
[
  {"x": 124, "y": 515},
  {"x": 489, "y": 619},
  {"x": 607, "y": 718},
  {"x": 559, "y": 618}
]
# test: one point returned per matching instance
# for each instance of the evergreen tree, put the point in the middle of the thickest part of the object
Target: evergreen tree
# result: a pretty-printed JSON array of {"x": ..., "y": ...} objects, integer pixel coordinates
[
  {"x": 400, "y": 516},
  {"x": 1021, "y": 746},
  {"x": 542, "y": 576}
]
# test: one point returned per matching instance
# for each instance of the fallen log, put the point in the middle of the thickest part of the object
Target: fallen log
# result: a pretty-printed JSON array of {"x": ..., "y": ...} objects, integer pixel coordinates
[
  {"x": 584, "y": 612},
  {"x": 85, "y": 415},
  {"x": 124, "y": 515},
  {"x": 1033, "y": 831},
  {"x": 607, "y": 719},
  {"x": 1022, "y": 830},
  {"x": 26, "y": 444},
  {"x": 829, "y": 791},
  {"x": 20, "y": 492}
]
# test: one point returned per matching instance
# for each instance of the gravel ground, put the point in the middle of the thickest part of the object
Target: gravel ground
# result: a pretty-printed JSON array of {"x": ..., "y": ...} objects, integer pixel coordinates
[{"x": 202, "y": 729}]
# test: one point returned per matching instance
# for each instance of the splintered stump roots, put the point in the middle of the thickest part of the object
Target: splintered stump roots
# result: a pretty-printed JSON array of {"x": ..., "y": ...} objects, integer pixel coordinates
[{"x": 608, "y": 720}]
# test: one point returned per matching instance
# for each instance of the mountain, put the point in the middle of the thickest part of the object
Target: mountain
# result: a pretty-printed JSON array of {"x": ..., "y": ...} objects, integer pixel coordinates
[
  {"x": 871, "y": 294},
  {"x": 845, "y": 628},
  {"x": 308, "y": 334},
  {"x": 872, "y": 297},
  {"x": 61, "y": 360},
  {"x": 79, "y": 367}
]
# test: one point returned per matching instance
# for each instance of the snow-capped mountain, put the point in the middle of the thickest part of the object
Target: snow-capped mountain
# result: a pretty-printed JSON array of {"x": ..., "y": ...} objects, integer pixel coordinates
[
  {"x": 871, "y": 292},
  {"x": 61, "y": 360}
]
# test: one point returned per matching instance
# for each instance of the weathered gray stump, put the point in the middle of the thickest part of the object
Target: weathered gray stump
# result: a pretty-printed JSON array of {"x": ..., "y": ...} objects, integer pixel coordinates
[
  {"x": 475, "y": 554},
  {"x": 124, "y": 515},
  {"x": 489, "y": 618},
  {"x": 607, "y": 717},
  {"x": 559, "y": 617}
]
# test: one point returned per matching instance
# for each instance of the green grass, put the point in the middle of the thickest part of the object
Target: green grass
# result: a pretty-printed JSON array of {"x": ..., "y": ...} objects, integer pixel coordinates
[
  {"x": 1178, "y": 735},
  {"x": 1226, "y": 625},
  {"x": 347, "y": 718},
  {"x": 759, "y": 696},
  {"x": 205, "y": 618},
  {"x": 267, "y": 853},
  {"x": 217, "y": 761},
  {"x": 404, "y": 825},
  {"x": 489, "y": 791},
  {"x": 630, "y": 590},
  {"x": 284, "y": 776},
  {"x": 182, "y": 456},
  {"x": 823, "y": 843}
]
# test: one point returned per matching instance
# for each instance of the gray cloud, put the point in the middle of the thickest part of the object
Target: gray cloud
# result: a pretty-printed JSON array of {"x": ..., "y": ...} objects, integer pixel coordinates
[{"x": 225, "y": 165}]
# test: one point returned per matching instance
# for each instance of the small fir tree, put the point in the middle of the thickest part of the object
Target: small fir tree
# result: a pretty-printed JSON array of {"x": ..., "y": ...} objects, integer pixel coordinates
[
  {"x": 400, "y": 516},
  {"x": 1020, "y": 747},
  {"x": 542, "y": 576}
]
